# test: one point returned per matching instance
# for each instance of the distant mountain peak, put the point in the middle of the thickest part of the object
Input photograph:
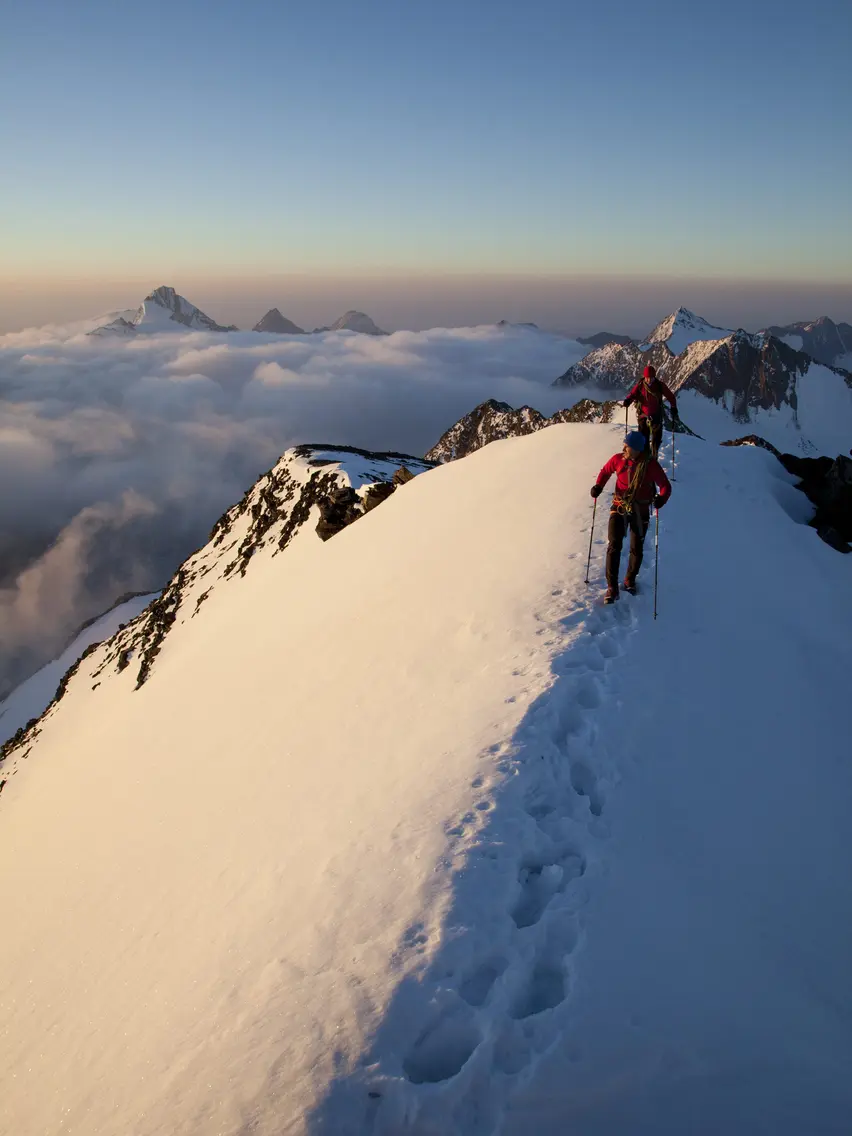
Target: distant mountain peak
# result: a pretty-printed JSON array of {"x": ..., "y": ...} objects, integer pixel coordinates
[
  {"x": 615, "y": 366},
  {"x": 278, "y": 324},
  {"x": 161, "y": 309},
  {"x": 681, "y": 328},
  {"x": 356, "y": 321},
  {"x": 823, "y": 339}
]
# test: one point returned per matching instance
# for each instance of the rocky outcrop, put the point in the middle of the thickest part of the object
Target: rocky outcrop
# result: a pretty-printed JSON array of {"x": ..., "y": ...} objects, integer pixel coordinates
[
  {"x": 744, "y": 372},
  {"x": 276, "y": 324},
  {"x": 343, "y": 505},
  {"x": 272, "y": 513},
  {"x": 826, "y": 482},
  {"x": 492, "y": 421}
]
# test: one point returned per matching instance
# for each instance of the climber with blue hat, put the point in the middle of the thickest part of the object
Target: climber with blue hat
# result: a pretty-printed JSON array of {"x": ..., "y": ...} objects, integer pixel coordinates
[{"x": 639, "y": 483}]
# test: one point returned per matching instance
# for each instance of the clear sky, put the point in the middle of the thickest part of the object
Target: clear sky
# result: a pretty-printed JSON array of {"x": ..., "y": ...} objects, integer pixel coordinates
[{"x": 151, "y": 140}]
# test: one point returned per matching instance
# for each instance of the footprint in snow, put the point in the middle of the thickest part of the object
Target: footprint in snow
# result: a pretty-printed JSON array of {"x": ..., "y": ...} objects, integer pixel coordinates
[
  {"x": 540, "y": 880},
  {"x": 546, "y": 985},
  {"x": 443, "y": 1048}
]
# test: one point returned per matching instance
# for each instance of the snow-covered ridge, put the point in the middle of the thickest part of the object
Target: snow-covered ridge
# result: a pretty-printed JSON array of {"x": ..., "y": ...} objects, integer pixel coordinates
[
  {"x": 680, "y": 329},
  {"x": 162, "y": 310},
  {"x": 364, "y": 854},
  {"x": 273, "y": 512}
]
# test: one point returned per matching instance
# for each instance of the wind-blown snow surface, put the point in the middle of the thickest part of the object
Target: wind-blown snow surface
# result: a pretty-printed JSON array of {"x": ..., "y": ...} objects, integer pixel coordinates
[{"x": 396, "y": 815}]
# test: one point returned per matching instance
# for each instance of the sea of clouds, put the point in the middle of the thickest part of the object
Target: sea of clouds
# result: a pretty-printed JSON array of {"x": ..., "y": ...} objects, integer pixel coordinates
[{"x": 117, "y": 455}]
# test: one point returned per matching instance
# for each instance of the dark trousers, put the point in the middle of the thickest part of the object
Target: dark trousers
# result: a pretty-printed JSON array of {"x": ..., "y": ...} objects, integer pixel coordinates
[
  {"x": 652, "y": 428},
  {"x": 637, "y": 520}
]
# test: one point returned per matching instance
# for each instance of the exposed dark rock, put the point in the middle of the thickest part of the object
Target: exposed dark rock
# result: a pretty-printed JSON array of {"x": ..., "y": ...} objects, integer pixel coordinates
[
  {"x": 744, "y": 372},
  {"x": 378, "y": 493},
  {"x": 602, "y": 338},
  {"x": 826, "y": 482},
  {"x": 339, "y": 509},
  {"x": 753, "y": 440},
  {"x": 586, "y": 410},
  {"x": 493, "y": 420}
]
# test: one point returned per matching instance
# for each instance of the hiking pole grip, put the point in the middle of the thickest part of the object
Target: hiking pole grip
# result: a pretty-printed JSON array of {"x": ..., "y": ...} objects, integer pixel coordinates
[
  {"x": 591, "y": 538},
  {"x": 657, "y": 553}
]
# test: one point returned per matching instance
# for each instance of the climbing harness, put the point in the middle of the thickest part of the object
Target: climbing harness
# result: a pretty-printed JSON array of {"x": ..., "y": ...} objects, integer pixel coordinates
[{"x": 624, "y": 505}]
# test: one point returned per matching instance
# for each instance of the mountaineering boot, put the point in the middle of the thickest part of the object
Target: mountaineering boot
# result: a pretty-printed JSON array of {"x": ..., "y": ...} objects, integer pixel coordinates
[
  {"x": 611, "y": 595},
  {"x": 629, "y": 586}
]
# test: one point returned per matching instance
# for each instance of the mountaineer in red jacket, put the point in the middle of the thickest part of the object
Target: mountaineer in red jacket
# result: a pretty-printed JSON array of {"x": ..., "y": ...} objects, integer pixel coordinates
[
  {"x": 638, "y": 477},
  {"x": 648, "y": 394}
]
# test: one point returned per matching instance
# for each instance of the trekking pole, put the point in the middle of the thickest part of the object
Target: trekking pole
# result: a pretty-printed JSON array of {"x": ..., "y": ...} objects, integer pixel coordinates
[
  {"x": 625, "y": 418},
  {"x": 657, "y": 554},
  {"x": 591, "y": 538}
]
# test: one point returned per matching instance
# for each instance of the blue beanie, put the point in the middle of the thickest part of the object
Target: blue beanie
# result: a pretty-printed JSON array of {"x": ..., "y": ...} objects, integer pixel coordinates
[{"x": 635, "y": 440}]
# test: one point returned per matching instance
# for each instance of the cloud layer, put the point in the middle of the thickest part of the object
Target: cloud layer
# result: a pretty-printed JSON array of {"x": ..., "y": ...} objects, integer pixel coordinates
[{"x": 118, "y": 455}]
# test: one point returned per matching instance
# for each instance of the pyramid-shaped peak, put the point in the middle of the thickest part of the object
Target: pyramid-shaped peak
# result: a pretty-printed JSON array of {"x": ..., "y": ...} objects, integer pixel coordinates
[
  {"x": 681, "y": 328},
  {"x": 278, "y": 324}
]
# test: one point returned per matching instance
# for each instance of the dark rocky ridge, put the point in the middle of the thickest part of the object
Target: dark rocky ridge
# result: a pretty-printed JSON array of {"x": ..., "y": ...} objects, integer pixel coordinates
[
  {"x": 757, "y": 371},
  {"x": 271, "y": 512},
  {"x": 822, "y": 339},
  {"x": 826, "y": 482},
  {"x": 493, "y": 420}
]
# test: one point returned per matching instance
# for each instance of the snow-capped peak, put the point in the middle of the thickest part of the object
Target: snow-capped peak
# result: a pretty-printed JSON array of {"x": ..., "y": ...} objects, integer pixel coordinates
[
  {"x": 680, "y": 329},
  {"x": 162, "y": 310},
  {"x": 356, "y": 321}
]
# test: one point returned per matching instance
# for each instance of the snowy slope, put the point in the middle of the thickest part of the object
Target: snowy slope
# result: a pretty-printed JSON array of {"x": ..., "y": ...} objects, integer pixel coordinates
[
  {"x": 404, "y": 822},
  {"x": 31, "y": 697},
  {"x": 161, "y": 310},
  {"x": 681, "y": 328}
]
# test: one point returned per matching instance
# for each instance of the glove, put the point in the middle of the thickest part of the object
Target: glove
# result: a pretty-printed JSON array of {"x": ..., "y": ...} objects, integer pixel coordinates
[
  {"x": 675, "y": 415},
  {"x": 596, "y": 490},
  {"x": 659, "y": 501},
  {"x": 626, "y": 403}
]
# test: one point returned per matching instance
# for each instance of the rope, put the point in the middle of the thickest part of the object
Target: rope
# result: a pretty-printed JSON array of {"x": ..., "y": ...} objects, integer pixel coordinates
[{"x": 624, "y": 505}]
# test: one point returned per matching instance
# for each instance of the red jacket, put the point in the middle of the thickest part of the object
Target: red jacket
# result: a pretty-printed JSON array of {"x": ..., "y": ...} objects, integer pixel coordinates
[
  {"x": 649, "y": 397},
  {"x": 624, "y": 468}
]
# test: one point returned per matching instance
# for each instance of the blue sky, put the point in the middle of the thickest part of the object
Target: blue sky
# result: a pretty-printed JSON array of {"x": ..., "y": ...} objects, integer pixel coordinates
[{"x": 543, "y": 137}]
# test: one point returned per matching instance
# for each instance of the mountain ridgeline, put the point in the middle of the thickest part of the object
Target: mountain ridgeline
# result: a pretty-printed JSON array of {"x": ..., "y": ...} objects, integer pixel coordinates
[{"x": 165, "y": 310}]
